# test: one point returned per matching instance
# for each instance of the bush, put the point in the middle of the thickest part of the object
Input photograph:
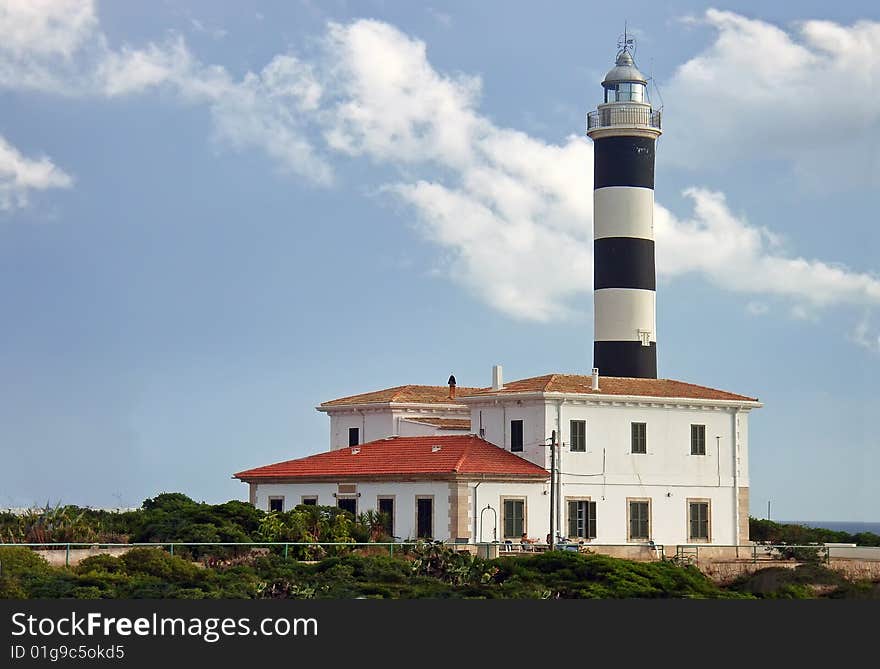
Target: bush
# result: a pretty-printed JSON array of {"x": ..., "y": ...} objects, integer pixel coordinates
[
  {"x": 156, "y": 562},
  {"x": 20, "y": 561},
  {"x": 100, "y": 563},
  {"x": 784, "y": 583}
]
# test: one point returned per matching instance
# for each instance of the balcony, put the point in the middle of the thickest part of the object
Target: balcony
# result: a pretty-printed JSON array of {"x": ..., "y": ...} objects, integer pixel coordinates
[{"x": 632, "y": 116}]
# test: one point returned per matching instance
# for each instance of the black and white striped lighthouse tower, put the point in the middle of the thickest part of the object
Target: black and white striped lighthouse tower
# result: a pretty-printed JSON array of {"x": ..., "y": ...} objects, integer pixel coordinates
[{"x": 624, "y": 129}]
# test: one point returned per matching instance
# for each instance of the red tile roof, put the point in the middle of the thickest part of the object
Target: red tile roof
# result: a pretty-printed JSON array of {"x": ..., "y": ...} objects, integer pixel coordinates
[
  {"x": 443, "y": 423},
  {"x": 614, "y": 385},
  {"x": 404, "y": 457},
  {"x": 409, "y": 394}
]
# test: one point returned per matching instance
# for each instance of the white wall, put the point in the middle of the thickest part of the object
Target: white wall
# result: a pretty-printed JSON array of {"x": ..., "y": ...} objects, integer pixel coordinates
[
  {"x": 372, "y": 424},
  {"x": 496, "y": 423},
  {"x": 404, "y": 494},
  {"x": 608, "y": 469},
  {"x": 537, "y": 499},
  {"x": 407, "y": 428},
  {"x": 668, "y": 511},
  {"x": 381, "y": 422},
  {"x": 608, "y": 472}
]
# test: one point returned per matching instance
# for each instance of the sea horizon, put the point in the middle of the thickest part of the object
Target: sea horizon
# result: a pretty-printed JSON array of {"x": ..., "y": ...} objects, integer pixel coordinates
[{"x": 850, "y": 526}]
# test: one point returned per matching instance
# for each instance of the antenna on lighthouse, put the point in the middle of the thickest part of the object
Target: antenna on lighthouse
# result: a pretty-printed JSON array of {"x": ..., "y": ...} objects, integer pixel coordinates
[{"x": 626, "y": 42}]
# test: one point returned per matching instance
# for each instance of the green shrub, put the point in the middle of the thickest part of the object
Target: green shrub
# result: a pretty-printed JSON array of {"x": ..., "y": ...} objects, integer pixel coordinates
[
  {"x": 20, "y": 561},
  {"x": 100, "y": 563},
  {"x": 157, "y": 562}
]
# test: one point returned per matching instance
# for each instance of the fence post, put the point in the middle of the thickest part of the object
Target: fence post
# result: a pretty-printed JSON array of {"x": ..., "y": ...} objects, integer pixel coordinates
[
  {"x": 285, "y": 551},
  {"x": 391, "y": 549},
  {"x": 67, "y": 556},
  {"x": 172, "y": 549}
]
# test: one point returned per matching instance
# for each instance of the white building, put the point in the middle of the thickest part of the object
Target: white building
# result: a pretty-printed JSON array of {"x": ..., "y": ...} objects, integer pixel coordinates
[{"x": 637, "y": 459}]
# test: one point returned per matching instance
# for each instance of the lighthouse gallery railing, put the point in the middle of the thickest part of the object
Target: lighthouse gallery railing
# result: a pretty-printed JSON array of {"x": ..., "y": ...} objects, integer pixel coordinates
[{"x": 623, "y": 115}]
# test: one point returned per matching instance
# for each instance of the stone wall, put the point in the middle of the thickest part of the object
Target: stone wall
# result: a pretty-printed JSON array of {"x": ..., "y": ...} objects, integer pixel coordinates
[{"x": 58, "y": 557}]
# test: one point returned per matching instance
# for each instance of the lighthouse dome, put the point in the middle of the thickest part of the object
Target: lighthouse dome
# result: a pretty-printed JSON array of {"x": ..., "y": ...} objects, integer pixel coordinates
[{"x": 624, "y": 70}]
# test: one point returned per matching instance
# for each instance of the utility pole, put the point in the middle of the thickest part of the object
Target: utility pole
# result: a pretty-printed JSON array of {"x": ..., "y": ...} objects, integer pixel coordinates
[
  {"x": 552, "y": 487},
  {"x": 768, "y": 509}
]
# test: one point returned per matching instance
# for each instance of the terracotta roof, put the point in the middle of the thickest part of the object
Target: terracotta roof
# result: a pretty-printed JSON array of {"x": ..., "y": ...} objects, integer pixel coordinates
[
  {"x": 444, "y": 423},
  {"x": 398, "y": 457},
  {"x": 410, "y": 394},
  {"x": 614, "y": 385}
]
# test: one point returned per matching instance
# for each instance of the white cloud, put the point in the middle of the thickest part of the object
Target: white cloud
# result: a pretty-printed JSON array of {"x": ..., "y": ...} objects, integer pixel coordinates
[
  {"x": 743, "y": 258},
  {"x": 214, "y": 31},
  {"x": 515, "y": 212},
  {"x": 272, "y": 111},
  {"x": 512, "y": 213},
  {"x": 807, "y": 96},
  {"x": 20, "y": 175},
  {"x": 442, "y": 18},
  {"x": 268, "y": 110},
  {"x": 393, "y": 105},
  {"x": 46, "y": 27},
  {"x": 757, "y": 308},
  {"x": 865, "y": 337},
  {"x": 39, "y": 40}
]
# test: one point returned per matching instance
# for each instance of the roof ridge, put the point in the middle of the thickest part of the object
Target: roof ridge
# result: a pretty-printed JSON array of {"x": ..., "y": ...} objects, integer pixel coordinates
[{"x": 464, "y": 453}]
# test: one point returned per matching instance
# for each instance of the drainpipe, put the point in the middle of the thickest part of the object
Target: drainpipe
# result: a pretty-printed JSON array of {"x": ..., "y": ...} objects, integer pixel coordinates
[
  {"x": 736, "y": 477},
  {"x": 363, "y": 425},
  {"x": 559, "y": 468},
  {"x": 476, "y": 511}
]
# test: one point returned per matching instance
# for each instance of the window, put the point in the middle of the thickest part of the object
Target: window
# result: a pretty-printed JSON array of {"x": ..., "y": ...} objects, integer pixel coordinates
[
  {"x": 581, "y": 519},
  {"x": 639, "y": 520},
  {"x": 312, "y": 500},
  {"x": 514, "y": 518},
  {"x": 698, "y": 521},
  {"x": 698, "y": 440},
  {"x": 424, "y": 517},
  {"x": 354, "y": 436},
  {"x": 386, "y": 510},
  {"x": 611, "y": 93},
  {"x": 630, "y": 92},
  {"x": 276, "y": 504},
  {"x": 578, "y": 436},
  {"x": 516, "y": 436},
  {"x": 349, "y": 504},
  {"x": 639, "y": 437}
]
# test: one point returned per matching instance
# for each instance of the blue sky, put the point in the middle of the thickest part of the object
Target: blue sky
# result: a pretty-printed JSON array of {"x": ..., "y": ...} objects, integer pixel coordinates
[{"x": 214, "y": 217}]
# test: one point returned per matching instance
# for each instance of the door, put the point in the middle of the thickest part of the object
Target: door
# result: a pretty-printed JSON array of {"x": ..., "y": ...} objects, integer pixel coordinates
[
  {"x": 424, "y": 517},
  {"x": 386, "y": 508}
]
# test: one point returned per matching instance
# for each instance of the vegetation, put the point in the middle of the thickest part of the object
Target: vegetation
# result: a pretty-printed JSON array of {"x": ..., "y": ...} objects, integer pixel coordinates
[
  {"x": 175, "y": 517},
  {"x": 788, "y": 533},
  {"x": 427, "y": 571}
]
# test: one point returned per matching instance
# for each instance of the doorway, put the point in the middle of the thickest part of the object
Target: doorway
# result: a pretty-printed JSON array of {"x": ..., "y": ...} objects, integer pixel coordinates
[{"x": 424, "y": 517}]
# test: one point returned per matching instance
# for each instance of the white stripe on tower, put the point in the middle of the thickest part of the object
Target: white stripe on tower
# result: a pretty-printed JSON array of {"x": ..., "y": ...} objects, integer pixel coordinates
[{"x": 624, "y": 129}]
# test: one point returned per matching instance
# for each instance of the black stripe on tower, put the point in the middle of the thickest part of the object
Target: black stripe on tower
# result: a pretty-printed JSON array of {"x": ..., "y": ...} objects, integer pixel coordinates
[
  {"x": 623, "y": 161},
  {"x": 625, "y": 358},
  {"x": 623, "y": 262}
]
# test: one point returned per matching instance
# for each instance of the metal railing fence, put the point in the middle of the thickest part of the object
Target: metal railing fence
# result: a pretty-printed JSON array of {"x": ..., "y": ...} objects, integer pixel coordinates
[
  {"x": 624, "y": 115},
  {"x": 684, "y": 553}
]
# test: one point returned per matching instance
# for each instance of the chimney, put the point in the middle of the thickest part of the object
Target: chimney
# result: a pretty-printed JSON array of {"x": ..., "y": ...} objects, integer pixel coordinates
[
  {"x": 451, "y": 387},
  {"x": 595, "y": 378},
  {"x": 497, "y": 377}
]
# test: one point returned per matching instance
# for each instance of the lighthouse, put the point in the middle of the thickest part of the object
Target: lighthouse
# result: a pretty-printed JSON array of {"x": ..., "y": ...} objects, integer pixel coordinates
[{"x": 624, "y": 129}]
